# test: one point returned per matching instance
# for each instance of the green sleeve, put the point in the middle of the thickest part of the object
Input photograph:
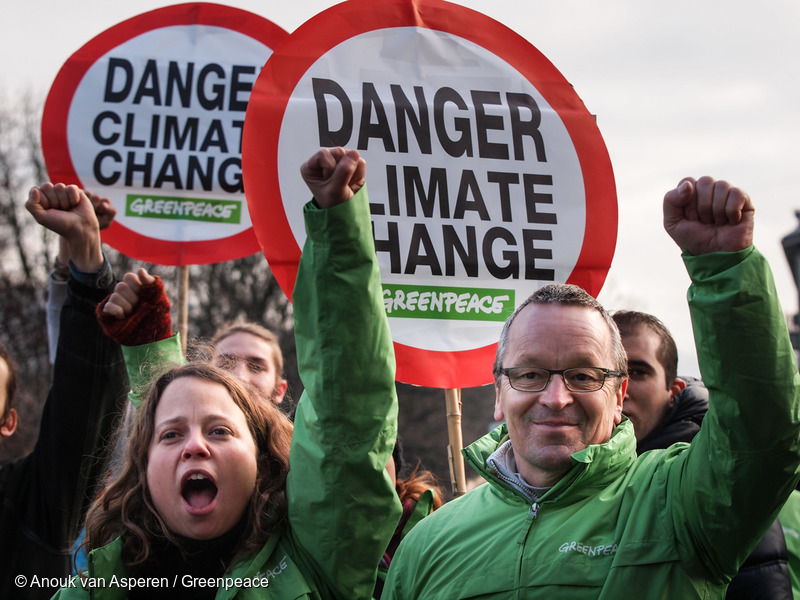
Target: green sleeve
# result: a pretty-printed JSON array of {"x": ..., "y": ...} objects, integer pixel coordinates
[
  {"x": 342, "y": 506},
  {"x": 742, "y": 465},
  {"x": 790, "y": 521},
  {"x": 147, "y": 360}
]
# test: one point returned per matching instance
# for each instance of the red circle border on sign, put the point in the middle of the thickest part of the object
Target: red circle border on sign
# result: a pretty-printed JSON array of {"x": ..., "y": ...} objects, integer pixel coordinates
[
  {"x": 277, "y": 82},
  {"x": 55, "y": 144}
]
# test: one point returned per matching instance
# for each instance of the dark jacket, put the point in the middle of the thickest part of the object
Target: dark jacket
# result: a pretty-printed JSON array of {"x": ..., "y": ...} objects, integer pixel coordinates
[
  {"x": 683, "y": 420},
  {"x": 44, "y": 495},
  {"x": 765, "y": 573}
]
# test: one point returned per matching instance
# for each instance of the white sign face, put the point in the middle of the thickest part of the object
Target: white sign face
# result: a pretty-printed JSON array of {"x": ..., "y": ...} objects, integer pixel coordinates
[
  {"x": 155, "y": 123},
  {"x": 441, "y": 224},
  {"x": 475, "y": 177}
]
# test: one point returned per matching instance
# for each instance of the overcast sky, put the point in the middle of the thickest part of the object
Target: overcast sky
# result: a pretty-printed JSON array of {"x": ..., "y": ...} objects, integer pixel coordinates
[{"x": 687, "y": 87}]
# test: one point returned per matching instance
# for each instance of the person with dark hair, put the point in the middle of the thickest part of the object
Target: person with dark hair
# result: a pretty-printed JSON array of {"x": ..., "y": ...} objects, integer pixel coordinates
[
  {"x": 666, "y": 409},
  {"x": 663, "y": 407},
  {"x": 313, "y": 545},
  {"x": 43, "y": 496},
  {"x": 570, "y": 510}
]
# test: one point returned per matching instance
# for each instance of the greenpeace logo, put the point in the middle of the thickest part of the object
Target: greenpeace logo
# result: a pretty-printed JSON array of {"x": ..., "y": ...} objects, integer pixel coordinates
[
  {"x": 279, "y": 568},
  {"x": 453, "y": 303},
  {"x": 192, "y": 209},
  {"x": 581, "y": 548}
]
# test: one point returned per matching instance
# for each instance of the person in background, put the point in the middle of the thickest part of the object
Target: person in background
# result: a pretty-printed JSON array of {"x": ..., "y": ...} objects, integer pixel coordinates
[
  {"x": 666, "y": 409},
  {"x": 663, "y": 407},
  {"x": 43, "y": 495},
  {"x": 252, "y": 353},
  {"x": 570, "y": 510}
]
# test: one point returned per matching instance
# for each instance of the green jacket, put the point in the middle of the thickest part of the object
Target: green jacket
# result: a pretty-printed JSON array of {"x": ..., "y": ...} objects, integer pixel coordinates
[
  {"x": 342, "y": 506},
  {"x": 790, "y": 521},
  {"x": 673, "y": 523}
]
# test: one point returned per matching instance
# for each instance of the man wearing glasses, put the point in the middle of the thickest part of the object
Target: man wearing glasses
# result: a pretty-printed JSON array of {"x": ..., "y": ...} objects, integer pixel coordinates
[{"x": 570, "y": 511}]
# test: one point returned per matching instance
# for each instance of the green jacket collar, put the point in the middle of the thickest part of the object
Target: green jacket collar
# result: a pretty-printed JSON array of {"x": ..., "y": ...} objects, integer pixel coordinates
[
  {"x": 106, "y": 562},
  {"x": 595, "y": 466}
]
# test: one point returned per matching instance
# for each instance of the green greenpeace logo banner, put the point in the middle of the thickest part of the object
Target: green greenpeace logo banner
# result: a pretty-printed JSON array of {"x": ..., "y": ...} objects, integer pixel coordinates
[
  {"x": 191, "y": 209},
  {"x": 451, "y": 303}
]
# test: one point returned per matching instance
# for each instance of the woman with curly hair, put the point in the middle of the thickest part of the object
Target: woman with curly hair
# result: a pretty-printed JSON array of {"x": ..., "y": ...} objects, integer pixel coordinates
[{"x": 202, "y": 480}]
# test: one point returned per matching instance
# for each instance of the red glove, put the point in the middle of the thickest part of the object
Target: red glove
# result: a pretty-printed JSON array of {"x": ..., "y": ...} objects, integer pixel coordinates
[{"x": 150, "y": 320}]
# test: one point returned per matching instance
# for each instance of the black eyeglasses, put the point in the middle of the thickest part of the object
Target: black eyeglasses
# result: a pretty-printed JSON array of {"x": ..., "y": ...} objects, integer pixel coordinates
[{"x": 576, "y": 379}]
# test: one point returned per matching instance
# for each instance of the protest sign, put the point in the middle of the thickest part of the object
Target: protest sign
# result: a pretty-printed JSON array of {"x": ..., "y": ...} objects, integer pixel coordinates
[
  {"x": 150, "y": 113},
  {"x": 487, "y": 176}
]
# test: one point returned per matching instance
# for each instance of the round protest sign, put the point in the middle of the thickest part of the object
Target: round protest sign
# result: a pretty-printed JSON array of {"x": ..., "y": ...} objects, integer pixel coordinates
[
  {"x": 150, "y": 113},
  {"x": 487, "y": 176}
]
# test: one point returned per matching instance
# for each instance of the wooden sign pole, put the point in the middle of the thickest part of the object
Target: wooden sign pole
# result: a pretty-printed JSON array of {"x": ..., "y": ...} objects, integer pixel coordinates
[
  {"x": 458, "y": 477},
  {"x": 183, "y": 305}
]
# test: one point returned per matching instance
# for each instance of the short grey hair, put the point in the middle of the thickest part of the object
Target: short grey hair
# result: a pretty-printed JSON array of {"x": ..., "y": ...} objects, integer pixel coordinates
[{"x": 565, "y": 295}]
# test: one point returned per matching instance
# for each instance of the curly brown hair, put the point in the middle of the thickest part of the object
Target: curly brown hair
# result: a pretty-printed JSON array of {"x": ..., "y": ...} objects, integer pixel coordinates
[{"x": 125, "y": 508}]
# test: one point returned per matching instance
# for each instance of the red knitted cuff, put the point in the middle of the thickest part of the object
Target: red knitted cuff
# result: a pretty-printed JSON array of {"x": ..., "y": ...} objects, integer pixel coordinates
[{"x": 149, "y": 322}]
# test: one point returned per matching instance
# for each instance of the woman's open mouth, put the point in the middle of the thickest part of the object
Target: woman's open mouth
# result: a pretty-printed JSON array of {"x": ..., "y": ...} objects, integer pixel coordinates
[{"x": 199, "y": 493}]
